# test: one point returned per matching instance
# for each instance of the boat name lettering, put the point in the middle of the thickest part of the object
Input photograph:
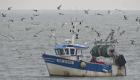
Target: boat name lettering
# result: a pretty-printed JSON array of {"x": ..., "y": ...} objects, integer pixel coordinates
[{"x": 65, "y": 61}]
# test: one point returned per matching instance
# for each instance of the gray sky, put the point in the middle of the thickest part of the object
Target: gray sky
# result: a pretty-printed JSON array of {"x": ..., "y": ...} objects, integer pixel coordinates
[{"x": 71, "y": 4}]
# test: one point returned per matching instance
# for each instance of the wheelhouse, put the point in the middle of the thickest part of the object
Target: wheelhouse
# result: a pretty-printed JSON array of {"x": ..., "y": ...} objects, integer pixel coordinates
[{"x": 69, "y": 50}]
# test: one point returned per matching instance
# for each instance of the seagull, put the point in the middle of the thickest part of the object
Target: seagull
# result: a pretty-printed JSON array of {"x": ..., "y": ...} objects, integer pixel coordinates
[
  {"x": 92, "y": 28},
  {"x": 77, "y": 36},
  {"x": 59, "y": 7},
  {"x": 35, "y": 10},
  {"x": 35, "y": 35},
  {"x": 35, "y": 14},
  {"x": 98, "y": 34},
  {"x": 80, "y": 22},
  {"x": 86, "y": 11},
  {"x": 86, "y": 26},
  {"x": 11, "y": 20},
  {"x": 72, "y": 31},
  {"x": 22, "y": 19},
  {"x": 4, "y": 36},
  {"x": 53, "y": 30},
  {"x": 100, "y": 14},
  {"x": 132, "y": 42},
  {"x": 73, "y": 27},
  {"x": 60, "y": 13},
  {"x": 72, "y": 23},
  {"x": 52, "y": 35},
  {"x": 137, "y": 18},
  {"x": 11, "y": 36},
  {"x": 125, "y": 17},
  {"x": 27, "y": 29},
  {"x": 9, "y": 8},
  {"x": 3, "y": 15},
  {"x": 78, "y": 30},
  {"x": 31, "y": 18},
  {"x": 122, "y": 32},
  {"x": 116, "y": 41}
]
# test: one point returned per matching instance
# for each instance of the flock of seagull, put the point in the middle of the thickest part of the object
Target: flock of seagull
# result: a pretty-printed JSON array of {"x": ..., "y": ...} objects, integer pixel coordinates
[
  {"x": 35, "y": 14},
  {"x": 3, "y": 14}
]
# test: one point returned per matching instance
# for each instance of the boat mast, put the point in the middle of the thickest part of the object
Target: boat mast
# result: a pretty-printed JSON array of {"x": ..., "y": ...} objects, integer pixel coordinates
[
  {"x": 74, "y": 32},
  {"x": 73, "y": 35}
]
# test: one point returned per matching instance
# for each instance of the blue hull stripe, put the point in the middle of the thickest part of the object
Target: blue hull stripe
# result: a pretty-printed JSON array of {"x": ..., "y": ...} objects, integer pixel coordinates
[{"x": 76, "y": 64}]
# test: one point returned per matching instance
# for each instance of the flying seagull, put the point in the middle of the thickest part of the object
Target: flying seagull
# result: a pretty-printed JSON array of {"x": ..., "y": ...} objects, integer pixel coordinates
[
  {"x": 80, "y": 23},
  {"x": 122, "y": 32},
  {"x": 31, "y": 18},
  {"x": 92, "y": 28},
  {"x": 86, "y": 11},
  {"x": 72, "y": 23},
  {"x": 11, "y": 20},
  {"x": 137, "y": 18},
  {"x": 100, "y": 14},
  {"x": 3, "y": 15},
  {"x": 35, "y": 14},
  {"x": 86, "y": 26},
  {"x": 9, "y": 8},
  {"x": 35, "y": 35},
  {"x": 60, "y": 13},
  {"x": 28, "y": 28},
  {"x": 125, "y": 17},
  {"x": 22, "y": 19},
  {"x": 59, "y": 7},
  {"x": 132, "y": 42},
  {"x": 98, "y": 34},
  {"x": 35, "y": 10}
]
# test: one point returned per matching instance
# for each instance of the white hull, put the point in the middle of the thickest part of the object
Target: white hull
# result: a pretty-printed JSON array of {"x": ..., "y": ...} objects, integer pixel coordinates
[
  {"x": 57, "y": 70},
  {"x": 63, "y": 67}
]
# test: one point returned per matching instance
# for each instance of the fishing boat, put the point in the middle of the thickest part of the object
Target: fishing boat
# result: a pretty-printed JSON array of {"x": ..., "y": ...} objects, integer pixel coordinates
[{"x": 68, "y": 59}]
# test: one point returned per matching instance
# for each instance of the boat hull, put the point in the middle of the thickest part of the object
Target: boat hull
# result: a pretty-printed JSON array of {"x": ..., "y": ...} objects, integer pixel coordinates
[{"x": 58, "y": 66}]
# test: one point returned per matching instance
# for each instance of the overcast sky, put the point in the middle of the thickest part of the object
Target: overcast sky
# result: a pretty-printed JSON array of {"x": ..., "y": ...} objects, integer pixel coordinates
[{"x": 72, "y": 4}]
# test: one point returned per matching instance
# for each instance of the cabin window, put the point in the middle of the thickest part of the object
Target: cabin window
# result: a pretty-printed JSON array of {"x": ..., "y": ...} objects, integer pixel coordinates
[
  {"x": 59, "y": 51},
  {"x": 72, "y": 51},
  {"x": 67, "y": 51},
  {"x": 56, "y": 51}
]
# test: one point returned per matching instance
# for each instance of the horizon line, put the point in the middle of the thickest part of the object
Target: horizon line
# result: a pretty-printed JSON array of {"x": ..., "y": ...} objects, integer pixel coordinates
[{"x": 76, "y": 9}]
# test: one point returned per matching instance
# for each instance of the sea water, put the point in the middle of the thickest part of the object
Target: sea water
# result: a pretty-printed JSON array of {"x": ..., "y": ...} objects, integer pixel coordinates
[{"x": 22, "y": 43}]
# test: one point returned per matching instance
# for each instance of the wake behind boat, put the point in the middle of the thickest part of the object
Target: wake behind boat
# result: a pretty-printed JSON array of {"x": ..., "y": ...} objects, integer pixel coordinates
[{"x": 68, "y": 59}]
